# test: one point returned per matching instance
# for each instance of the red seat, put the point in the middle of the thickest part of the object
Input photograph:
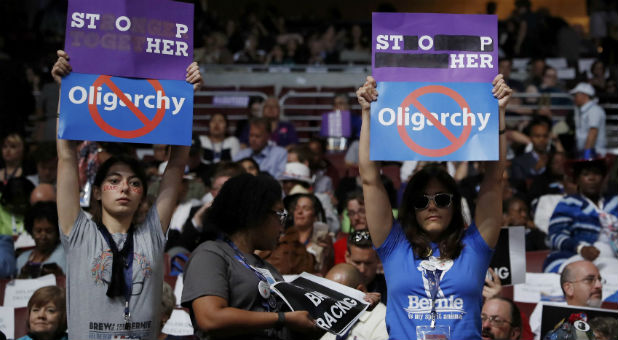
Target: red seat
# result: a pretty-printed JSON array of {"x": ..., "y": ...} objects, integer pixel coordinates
[
  {"x": 21, "y": 322},
  {"x": 534, "y": 260},
  {"x": 3, "y": 283}
]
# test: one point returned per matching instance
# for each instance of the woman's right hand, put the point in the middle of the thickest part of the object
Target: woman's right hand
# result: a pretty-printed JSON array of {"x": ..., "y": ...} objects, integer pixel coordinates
[
  {"x": 61, "y": 67},
  {"x": 299, "y": 321},
  {"x": 367, "y": 93}
]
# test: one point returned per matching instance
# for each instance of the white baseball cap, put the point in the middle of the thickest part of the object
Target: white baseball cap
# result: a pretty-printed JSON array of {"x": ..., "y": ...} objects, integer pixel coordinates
[{"x": 584, "y": 88}]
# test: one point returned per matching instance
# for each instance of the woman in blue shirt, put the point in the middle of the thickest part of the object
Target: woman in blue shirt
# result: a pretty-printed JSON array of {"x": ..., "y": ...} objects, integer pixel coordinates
[{"x": 434, "y": 266}]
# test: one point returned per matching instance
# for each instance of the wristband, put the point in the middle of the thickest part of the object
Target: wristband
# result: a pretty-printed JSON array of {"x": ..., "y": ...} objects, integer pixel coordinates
[
  {"x": 280, "y": 320},
  {"x": 579, "y": 248},
  {"x": 501, "y": 132}
]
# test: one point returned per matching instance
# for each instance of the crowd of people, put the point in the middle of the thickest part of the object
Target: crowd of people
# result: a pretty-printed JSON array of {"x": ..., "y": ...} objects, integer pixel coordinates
[{"x": 242, "y": 209}]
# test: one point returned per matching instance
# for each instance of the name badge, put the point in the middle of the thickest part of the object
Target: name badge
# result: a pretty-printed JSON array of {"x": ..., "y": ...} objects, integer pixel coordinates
[{"x": 439, "y": 332}]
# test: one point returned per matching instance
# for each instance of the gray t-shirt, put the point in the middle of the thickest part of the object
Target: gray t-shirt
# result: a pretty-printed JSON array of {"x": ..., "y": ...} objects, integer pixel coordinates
[
  {"x": 213, "y": 270},
  {"x": 93, "y": 315}
]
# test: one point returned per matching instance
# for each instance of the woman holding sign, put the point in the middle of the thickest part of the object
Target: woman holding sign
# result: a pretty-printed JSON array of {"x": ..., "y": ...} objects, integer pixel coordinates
[
  {"x": 115, "y": 266},
  {"x": 435, "y": 267}
]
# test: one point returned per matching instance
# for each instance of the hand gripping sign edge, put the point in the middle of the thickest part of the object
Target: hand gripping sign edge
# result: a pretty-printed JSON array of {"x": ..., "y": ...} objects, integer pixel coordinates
[
  {"x": 149, "y": 125},
  {"x": 457, "y": 142}
]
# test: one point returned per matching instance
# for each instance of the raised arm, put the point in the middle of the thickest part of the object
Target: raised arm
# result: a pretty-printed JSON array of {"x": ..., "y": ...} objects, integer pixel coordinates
[
  {"x": 488, "y": 215},
  {"x": 67, "y": 182},
  {"x": 377, "y": 206},
  {"x": 172, "y": 177}
]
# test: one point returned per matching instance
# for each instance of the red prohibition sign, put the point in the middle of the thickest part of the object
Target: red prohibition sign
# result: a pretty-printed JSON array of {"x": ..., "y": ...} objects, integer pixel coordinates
[
  {"x": 149, "y": 125},
  {"x": 456, "y": 142}
]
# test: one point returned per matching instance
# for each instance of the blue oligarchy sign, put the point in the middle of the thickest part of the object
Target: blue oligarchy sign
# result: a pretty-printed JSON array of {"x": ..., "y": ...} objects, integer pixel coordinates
[
  {"x": 430, "y": 121},
  {"x": 117, "y": 109}
]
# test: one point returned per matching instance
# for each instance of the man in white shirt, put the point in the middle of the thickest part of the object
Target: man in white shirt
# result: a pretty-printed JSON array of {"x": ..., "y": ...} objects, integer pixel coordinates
[{"x": 589, "y": 122}]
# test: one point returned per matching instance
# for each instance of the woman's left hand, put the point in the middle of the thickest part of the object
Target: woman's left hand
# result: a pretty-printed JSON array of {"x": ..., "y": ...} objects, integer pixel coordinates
[
  {"x": 373, "y": 299},
  {"x": 194, "y": 76},
  {"x": 501, "y": 91}
]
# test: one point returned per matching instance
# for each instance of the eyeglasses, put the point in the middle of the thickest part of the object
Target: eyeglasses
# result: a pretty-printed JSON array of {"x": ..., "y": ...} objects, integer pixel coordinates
[
  {"x": 360, "y": 235},
  {"x": 494, "y": 320},
  {"x": 282, "y": 214},
  {"x": 441, "y": 200},
  {"x": 591, "y": 280},
  {"x": 359, "y": 212}
]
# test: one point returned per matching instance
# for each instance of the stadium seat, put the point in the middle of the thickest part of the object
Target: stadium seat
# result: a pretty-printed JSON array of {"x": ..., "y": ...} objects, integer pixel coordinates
[
  {"x": 268, "y": 90},
  {"x": 534, "y": 260},
  {"x": 21, "y": 320}
]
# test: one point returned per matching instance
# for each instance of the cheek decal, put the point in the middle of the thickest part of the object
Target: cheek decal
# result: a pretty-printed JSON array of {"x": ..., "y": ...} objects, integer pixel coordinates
[
  {"x": 136, "y": 190},
  {"x": 110, "y": 187}
]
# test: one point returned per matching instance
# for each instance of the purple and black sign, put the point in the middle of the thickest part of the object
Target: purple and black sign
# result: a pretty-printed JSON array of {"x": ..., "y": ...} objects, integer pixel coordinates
[
  {"x": 130, "y": 38},
  {"x": 429, "y": 47}
]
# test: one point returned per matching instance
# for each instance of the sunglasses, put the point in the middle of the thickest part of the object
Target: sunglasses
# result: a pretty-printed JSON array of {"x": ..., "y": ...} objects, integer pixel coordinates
[
  {"x": 282, "y": 214},
  {"x": 441, "y": 200}
]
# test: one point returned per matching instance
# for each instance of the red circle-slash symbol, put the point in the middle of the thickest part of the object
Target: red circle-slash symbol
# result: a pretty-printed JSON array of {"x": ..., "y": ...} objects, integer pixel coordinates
[
  {"x": 456, "y": 142},
  {"x": 149, "y": 125}
]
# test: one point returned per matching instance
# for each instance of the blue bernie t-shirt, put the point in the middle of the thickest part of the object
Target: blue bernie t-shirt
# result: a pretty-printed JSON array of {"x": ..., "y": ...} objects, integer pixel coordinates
[{"x": 459, "y": 301}]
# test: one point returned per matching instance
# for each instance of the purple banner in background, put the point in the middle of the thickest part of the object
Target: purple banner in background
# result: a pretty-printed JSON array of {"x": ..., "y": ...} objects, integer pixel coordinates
[
  {"x": 130, "y": 38},
  {"x": 427, "y": 47}
]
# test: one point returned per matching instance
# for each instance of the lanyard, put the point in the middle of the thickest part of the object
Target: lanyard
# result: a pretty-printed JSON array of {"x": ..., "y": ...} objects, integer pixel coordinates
[
  {"x": 268, "y": 303},
  {"x": 433, "y": 279},
  {"x": 127, "y": 265}
]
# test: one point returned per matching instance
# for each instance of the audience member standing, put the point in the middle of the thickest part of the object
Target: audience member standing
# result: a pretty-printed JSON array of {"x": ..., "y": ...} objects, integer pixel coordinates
[{"x": 589, "y": 119}]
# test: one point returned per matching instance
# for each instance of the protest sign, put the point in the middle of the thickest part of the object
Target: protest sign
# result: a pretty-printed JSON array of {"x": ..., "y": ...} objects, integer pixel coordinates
[
  {"x": 116, "y": 109},
  {"x": 130, "y": 38},
  {"x": 18, "y": 292},
  {"x": 553, "y": 314},
  {"x": 7, "y": 321},
  {"x": 509, "y": 261},
  {"x": 546, "y": 287},
  {"x": 434, "y": 74},
  {"x": 334, "y": 306}
]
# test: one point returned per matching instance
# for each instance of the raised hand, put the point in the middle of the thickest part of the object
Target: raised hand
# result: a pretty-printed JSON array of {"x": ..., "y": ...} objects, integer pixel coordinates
[
  {"x": 61, "y": 67},
  {"x": 367, "y": 93},
  {"x": 194, "y": 76}
]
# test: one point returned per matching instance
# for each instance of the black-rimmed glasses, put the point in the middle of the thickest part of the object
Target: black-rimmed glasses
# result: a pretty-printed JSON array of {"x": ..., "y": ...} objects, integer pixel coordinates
[{"x": 441, "y": 200}]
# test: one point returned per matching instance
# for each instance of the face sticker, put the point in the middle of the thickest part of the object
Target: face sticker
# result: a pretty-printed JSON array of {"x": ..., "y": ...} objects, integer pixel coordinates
[{"x": 111, "y": 187}]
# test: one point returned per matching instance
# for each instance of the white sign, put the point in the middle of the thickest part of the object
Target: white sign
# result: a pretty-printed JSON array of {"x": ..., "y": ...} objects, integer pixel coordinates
[
  {"x": 18, "y": 292},
  {"x": 539, "y": 287},
  {"x": 7, "y": 322},
  {"x": 179, "y": 324},
  {"x": 178, "y": 289}
]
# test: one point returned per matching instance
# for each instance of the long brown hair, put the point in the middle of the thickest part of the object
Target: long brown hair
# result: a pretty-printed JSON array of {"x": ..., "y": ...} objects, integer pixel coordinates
[{"x": 450, "y": 243}]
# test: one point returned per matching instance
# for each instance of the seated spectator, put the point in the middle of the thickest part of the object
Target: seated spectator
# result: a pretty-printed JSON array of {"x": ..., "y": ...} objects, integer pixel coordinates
[
  {"x": 583, "y": 226},
  {"x": 297, "y": 180},
  {"x": 48, "y": 256},
  {"x": 533, "y": 162},
  {"x": 581, "y": 284},
  {"x": 356, "y": 220},
  {"x": 47, "y": 317},
  {"x": 14, "y": 201},
  {"x": 270, "y": 157},
  {"x": 46, "y": 160},
  {"x": 598, "y": 79},
  {"x": 516, "y": 213},
  {"x": 217, "y": 146},
  {"x": 168, "y": 301},
  {"x": 7, "y": 256},
  {"x": 371, "y": 324},
  {"x": 308, "y": 219},
  {"x": 363, "y": 256},
  {"x": 500, "y": 319},
  {"x": 303, "y": 154},
  {"x": 250, "y": 166},
  {"x": 552, "y": 181},
  {"x": 320, "y": 166},
  {"x": 43, "y": 193},
  {"x": 550, "y": 85},
  {"x": 13, "y": 147},
  {"x": 281, "y": 133}
]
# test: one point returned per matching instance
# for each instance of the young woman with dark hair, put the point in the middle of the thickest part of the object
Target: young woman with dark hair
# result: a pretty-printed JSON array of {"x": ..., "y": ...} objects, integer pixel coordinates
[
  {"x": 226, "y": 286},
  {"x": 115, "y": 266},
  {"x": 434, "y": 266}
]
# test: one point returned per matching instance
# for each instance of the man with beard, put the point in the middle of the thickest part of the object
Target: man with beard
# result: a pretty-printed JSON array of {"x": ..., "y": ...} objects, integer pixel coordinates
[
  {"x": 500, "y": 319},
  {"x": 581, "y": 284}
]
